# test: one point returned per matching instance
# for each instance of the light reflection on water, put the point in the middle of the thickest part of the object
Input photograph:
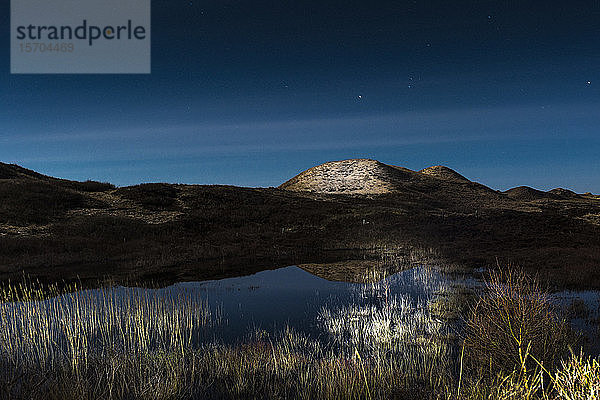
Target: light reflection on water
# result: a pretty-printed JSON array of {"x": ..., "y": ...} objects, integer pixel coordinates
[
  {"x": 290, "y": 296},
  {"x": 228, "y": 310}
]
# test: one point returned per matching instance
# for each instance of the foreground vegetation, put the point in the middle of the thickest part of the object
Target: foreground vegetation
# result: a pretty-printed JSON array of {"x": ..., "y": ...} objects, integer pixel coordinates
[{"x": 120, "y": 343}]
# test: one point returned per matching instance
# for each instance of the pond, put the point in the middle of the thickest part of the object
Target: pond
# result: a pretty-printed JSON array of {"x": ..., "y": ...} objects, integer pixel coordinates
[
  {"x": 274, "y": 321},
  {"x": 224, "y": 311},
  {"x": 407, "y": 304},
  {"x": 274, "y": 299},
  {"x": 582, "y": 307}
]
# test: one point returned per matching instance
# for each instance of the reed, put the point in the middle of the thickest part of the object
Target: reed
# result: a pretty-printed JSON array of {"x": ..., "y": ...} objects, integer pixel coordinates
[
  {"x": 128, "y": 343},
  {"x": 46, "y": 327}
]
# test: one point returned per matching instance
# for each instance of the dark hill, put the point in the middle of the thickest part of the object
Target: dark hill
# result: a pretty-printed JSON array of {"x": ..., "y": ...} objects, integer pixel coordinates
[
  {"x": 324, "y": 218},
  {"x": 563, "y": 193},
  {"x": 439, "y": 171},
  {"x": 13, "y": 171},
  {"x": 526, "y": 193}
]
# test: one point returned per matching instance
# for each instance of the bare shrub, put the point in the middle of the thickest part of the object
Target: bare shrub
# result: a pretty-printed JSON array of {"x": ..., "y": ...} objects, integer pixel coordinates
[{"x": 512, "y": 320}]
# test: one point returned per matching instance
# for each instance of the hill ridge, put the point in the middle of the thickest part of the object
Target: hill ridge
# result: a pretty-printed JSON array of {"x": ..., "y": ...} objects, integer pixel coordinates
[
  {"x": 442, "y": 172},
  {"x": 352, "y": 176},
  {"x": 363, "y": 176}
]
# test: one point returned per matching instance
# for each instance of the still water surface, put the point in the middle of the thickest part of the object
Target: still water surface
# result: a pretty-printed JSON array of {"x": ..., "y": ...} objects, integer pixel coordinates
[{"x": 271, "y": 300}]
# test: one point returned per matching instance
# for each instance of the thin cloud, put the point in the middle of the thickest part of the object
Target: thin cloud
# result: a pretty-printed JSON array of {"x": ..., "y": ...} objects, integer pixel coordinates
[{"x": 313, "y": 134}]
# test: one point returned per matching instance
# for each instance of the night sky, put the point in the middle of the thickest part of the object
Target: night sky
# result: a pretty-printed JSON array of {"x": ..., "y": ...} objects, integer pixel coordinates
[{"x": 251, "y": 92}]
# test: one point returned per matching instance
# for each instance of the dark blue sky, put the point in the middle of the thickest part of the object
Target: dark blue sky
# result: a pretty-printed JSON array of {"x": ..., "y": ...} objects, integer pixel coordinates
[{"x": 251, "y": 92}]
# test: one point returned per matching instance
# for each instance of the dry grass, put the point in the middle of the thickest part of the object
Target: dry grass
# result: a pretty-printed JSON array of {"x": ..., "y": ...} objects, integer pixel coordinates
[
  {"x": 129, "y": 343},
  {"x": 577, "y": 378},
  {"x": 120, "y": 343},
  {"x": 61, "y": 340}
]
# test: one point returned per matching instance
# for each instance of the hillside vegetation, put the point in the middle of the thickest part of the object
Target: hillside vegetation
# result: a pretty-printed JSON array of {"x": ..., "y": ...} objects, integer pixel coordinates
[{"x": 355, "y": 209}]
